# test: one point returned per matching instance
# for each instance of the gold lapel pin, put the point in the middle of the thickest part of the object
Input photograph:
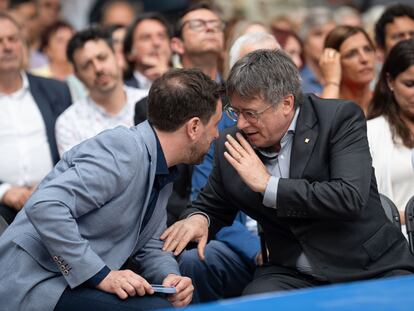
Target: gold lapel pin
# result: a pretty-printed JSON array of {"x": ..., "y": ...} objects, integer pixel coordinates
[{"x": 307, "y": 140}]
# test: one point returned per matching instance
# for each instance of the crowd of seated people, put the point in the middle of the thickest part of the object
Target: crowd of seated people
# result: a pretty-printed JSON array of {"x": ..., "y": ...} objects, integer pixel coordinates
[{"x": 58, "y": 89}]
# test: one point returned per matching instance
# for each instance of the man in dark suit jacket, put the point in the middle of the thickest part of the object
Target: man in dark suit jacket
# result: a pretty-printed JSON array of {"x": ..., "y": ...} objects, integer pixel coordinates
[
  {"x": 301, "y": 167},
  {"x": 49, "y": 97}
]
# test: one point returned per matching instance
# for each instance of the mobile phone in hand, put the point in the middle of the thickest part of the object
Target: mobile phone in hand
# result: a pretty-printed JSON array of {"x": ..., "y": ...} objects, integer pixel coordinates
[{"x": 163, "y": 289}]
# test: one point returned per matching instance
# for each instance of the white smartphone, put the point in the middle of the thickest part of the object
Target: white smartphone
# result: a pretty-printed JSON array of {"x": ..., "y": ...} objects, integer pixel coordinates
[{"x": 163, "y": 289}]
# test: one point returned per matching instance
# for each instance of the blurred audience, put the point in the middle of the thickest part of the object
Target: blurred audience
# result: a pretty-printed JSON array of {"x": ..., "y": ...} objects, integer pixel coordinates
[
  {"x": 348, "y": 65},
  {"x": 109, "y": 103},
  {"x": 199, "y": 39},
  {"x": 235, "y": 31},
  {"x": 284, "y": 22},
  {"x": 147, "y": 50},
  {"x": 347, "y": 16},
  {"x": 317, "y": 24},
  {"x": 26, "y": 14},
  {"x": 291, "y": 44},
  {"x": 48, "y": 13},
  {"x": 29, "y": 106},
  {"x": 53, "y": 44},
  {"x": 394, "y": 25},
  {"x": 118, "y": 33},
  {"x": 117, "y": 12},
  {"x": 391, "y": 128}
]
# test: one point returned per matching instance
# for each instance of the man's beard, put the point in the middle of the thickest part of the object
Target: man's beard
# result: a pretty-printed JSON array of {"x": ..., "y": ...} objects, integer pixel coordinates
[{"x": 196, "y": 157}]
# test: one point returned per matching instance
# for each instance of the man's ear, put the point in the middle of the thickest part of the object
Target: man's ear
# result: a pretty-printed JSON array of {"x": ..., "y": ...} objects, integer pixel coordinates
[
  {"x": 288, "y": 103},
  {"x": 177, "y": 45},
  {"x": 193, "y": 128}
]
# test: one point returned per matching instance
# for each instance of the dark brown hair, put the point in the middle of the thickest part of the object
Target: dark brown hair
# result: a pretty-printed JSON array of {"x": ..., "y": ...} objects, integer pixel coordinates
[
  {"x": 400, "y": 58},
  {"x": 179, "y": 95},
  {"x": 339, "y": 34}
]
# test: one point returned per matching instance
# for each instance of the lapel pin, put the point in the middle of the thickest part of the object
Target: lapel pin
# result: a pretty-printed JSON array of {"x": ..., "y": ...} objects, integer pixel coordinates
[{"x": 307, "y": 140}]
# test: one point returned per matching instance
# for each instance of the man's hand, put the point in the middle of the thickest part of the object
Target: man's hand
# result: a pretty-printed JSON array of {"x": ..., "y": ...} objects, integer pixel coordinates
[
  {"x": 246, "y": 162},
  {"x": 16, "y": 197},
  {"x": 177, "y": 236},
  {"x": 125, "y": 283},
  {"x": 157, "y": 65},
  {"x": 184, "y": 288}
]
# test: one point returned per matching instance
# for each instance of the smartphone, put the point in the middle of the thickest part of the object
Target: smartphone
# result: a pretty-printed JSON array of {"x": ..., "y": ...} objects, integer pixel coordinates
[{"x": 163, "y": 289}]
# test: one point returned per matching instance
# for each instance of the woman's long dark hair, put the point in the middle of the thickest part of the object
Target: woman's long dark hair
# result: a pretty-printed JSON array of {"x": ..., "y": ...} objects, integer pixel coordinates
[{"x": 400, "y": 58}]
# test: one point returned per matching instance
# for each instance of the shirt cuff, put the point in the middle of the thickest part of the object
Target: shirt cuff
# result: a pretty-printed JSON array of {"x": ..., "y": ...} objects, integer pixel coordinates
[
  {"x": 270, "y": 195},
  {"x": 97, "y": 278},
  {"x": 4, "y": 187},
  {"x": 201, "y": 213}
]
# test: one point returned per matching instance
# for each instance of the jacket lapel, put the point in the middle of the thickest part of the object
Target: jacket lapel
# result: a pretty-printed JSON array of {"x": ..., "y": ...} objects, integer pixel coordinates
[
  {"x": 306, "y": 134},
  {"x": 43, "y": 103}
]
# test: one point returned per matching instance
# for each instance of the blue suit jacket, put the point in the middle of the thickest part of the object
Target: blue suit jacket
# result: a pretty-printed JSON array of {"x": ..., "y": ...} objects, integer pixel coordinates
[{"x": 87, "y": 213}]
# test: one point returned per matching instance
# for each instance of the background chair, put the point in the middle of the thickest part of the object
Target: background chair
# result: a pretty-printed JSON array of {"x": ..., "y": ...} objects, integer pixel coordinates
[
  {"x": 409, "y": 223},
  {"x": 390, "y": 210}
]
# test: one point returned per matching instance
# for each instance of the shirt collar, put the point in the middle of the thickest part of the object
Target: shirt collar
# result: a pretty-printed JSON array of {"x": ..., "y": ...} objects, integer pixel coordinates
[
  {"x": 25, "y": 80},
  {"x": 143, "y": 81},
  {"x": 162, "y": 167}
]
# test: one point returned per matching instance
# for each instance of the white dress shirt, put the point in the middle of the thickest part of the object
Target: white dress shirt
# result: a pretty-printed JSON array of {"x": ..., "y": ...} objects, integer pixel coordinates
[
  {"x": 25, "y": 156},
  {"x": 85, "y": 119},
  {"x": 143, "y": 81}
]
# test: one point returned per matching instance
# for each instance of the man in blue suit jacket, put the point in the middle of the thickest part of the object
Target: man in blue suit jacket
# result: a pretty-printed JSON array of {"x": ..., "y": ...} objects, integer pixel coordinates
[
  {"x": 29, "y": 106},
  {"x": 103, "y": 203}
]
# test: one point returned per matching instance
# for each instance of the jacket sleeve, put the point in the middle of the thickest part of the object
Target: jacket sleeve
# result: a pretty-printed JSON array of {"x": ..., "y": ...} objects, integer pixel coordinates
[
  {"x": 153, "y": 263},
  {"x": 88, "y": 176}
]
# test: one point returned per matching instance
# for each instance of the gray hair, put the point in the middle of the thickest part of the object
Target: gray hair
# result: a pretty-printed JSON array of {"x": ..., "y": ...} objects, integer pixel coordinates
[
  {"x": 315, "y": 17},
  {"x": 343, "y": 12},
  {"x": 254, "y": 40},
  {"x": 266, "y": 74}
]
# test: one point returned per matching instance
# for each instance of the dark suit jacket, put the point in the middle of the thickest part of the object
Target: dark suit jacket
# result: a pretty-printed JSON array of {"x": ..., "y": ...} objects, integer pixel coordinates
[
  {"x": 141, "y": 110},
  {"x": 329, "y": 208},
  {"x": 52, "y": 97},
  {"x": 131, "y": 81}
]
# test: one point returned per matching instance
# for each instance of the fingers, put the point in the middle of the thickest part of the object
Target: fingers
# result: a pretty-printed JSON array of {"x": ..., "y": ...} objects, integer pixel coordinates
[
  {"x": 138, "y": 284},
  {"x": 184, "y": 293},
  {"x": 124, "y": 284},
  {"x": 176, "y": 237},
  {"x": 245, "y": 144},
  {"x": 201, "y": 247},
  {"x": 234, "y": 147}
]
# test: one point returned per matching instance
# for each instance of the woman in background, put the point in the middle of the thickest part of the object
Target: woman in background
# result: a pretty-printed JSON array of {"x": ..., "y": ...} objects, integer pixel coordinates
[
  {"x": 53, "y": 44},
  {"x": 391, "y": 126},
  {"x": 291, "y": 44},
  {"x": 348, "y": 65}
]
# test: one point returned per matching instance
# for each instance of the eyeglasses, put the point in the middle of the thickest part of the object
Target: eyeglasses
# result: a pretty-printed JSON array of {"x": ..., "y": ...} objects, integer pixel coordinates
[
  {"x": 250, "y": 115},
  {"x": 200, "y": 25}
]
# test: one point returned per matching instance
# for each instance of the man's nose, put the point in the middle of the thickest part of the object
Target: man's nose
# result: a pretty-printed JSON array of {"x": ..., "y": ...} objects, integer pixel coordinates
[{"x": 242, "y": 122}]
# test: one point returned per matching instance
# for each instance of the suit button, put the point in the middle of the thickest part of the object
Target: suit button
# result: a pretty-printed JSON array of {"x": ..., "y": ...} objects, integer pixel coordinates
[
  {"x": 59, "y": 262},
  {"x": 55, "y": 258},
  {"x": 65, "y": 272}
]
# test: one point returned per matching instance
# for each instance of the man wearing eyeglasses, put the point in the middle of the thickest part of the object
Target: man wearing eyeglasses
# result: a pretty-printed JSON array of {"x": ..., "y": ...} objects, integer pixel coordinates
[
  {"x": 301, "y": 167},
  {"x": 199, "y": 39}
]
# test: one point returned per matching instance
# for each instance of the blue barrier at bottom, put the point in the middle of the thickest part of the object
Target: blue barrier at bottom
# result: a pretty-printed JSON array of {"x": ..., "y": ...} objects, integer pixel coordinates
[{"x": 374, "y": 295}]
